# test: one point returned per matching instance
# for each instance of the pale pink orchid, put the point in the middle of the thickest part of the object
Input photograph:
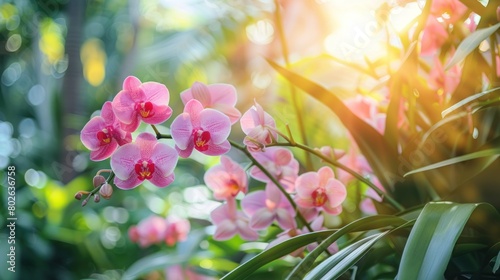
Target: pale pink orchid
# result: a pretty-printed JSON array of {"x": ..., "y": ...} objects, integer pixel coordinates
[
  {"x": 259, "y": 127},
  {"x": 178, "y": 272},
  {"x": 433, "y": 37},
  {"x": 330, "y": 152},
  {"x": 265, "y": 207},
  {"x": 221, "y": 97},
  {"x": 103, "y": 134},
  {"x": 177, "y": 230},
  {"x": 229, "y": 221},
  {"x": 320, "y": 189},
  {"x": 226, "y": 179},
  {"x": 356, "y": 162},
  {"x": 280, "y": 163},
  {"x": 149, "y": 231},
  {"x": 316, "y": 225},
  {"x": 367, "y": 109},
  {"x": 141, "y": 101},
  {"x": 144, "y": 159},
  {"x": 448, "y": 11},
  {"x": 205, "y": 130}
]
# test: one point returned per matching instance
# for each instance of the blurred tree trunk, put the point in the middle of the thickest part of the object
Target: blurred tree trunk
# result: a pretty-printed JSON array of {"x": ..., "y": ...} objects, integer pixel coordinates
[{"x": 71, "y": 88}]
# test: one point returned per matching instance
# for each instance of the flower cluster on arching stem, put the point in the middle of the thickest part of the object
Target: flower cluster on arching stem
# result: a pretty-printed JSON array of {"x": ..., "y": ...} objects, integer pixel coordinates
[{"x": 294, "y": 202}]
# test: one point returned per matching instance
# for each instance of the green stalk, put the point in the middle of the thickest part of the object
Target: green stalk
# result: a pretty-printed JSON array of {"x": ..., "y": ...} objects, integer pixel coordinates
[
  {"x": 293, "y": 91},
  {"x": 382, "y": 194}
]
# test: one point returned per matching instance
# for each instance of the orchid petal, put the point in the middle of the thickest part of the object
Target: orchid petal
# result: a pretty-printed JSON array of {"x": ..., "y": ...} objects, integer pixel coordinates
[{"x": 182, "y": 131}]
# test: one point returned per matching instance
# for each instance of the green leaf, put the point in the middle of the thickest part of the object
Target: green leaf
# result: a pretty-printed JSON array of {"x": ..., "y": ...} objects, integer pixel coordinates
[
  {"x": 497, "y": 263},
  {"x": 336, "y": 265},
  {"x": 275, "y": 252},
  {"x": 373, "y": 146},
  {"x": 467, "y": 100},
  {"x": 432, "y": 239},
  {"x": 470, "y": 43},
  {"x": 346, "y": 255},
  {"x": 493, "y": 152},
  {"x": 373, "y": 222}
]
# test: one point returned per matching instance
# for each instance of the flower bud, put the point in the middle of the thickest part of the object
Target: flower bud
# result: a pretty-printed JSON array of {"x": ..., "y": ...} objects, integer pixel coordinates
[
  {"x": 98, "y": 181},
  {"x": 106, "y": 191},
  {"x": 78, "y": 195},
  {"x": 498, "y": 13},
  {"x": 97, "y": 198}
]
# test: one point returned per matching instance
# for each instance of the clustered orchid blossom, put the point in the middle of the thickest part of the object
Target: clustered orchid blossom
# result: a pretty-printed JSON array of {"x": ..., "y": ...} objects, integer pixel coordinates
[
  {"x": 289, "y": 200},
  {"x": 157, "y": 230}
]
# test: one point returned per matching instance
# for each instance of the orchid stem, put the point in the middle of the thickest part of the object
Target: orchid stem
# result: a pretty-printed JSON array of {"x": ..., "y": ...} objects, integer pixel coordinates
[
  {"x": 382, "y": 194},
  {"x": 275, "y": 181}
]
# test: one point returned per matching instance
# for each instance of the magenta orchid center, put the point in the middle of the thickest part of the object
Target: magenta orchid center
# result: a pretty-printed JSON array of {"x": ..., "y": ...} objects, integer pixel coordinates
[
  {"x": 145, "y": 109},
  {"x": 233, "y": 187},
  {"x": 319, "y": 197},
  {"x": 104, "y": 136},
  {"x": 201, "y": 139},
  {"x": 144, "y": 169}
]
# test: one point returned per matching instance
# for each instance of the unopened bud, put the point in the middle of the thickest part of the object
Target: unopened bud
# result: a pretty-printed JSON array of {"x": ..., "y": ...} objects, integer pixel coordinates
[
  {"x": 106, "y": 191},
  {"x": 498, "y": 13},
  {"x": 98, "y": 180},
  {"x": 78, "y": 195},
  {"x": 97, "y": 198}
]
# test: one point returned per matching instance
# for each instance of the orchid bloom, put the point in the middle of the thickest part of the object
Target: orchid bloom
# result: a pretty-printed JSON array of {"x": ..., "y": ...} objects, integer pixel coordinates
[
  {"x": 280, "y": 163},
  {"x": 103, "y": 134},
  {"x": 179, "y": 272},
  {"x": 264, "y": 207},
  {"x": 259, "y": 127},
  {"x": 149, "y": 231},
  {"x": 177, "y": 230},
  {"x": 141, "y": 101},
  {"x": 221, "y": 97},
  {"x": 229, "y": 222},
  {"x": 226, "y": 179},
  {"x": 449, "y": 11},
  {"x": 330, "y": 152},
  {"x": 433, "y": 37},
  {"x": 205, "y": 130},
  {"x": 320, "y": 189},
  {"x": 145, "y": 159}
]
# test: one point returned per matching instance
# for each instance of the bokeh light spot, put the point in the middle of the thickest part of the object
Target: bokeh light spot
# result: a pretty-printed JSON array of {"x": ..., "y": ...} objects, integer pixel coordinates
[{"x": 13, "y": 43}]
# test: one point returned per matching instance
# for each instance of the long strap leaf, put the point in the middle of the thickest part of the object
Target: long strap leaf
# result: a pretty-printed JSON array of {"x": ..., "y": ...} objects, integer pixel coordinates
[
  {"x": 372, "y": 144},
  {"x": 432, "y": 239}
]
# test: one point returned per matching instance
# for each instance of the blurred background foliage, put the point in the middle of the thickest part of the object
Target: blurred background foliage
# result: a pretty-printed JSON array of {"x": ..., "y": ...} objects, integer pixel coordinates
[{"x": 61, "y": 59}]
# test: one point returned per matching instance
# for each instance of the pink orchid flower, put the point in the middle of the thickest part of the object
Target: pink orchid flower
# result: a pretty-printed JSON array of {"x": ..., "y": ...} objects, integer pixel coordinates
[
  {"x": 103, "y": 134},
  {"x": 433, "y": 37},
  {"x": 178, "y": 272},
  {"x": 448, "y": 11},
  {"x": 177, "y": 230},
  {"x": 330, "y": 152},
  {"x": 229, "y": 222},
  {"x": 264, "y": 207},
  {"x": 355, "y": 161},
  {"x": 226, "y": 179},
  {"x": 149, "y": 231},
  {"x": 205, "y": 130},
  {"x": 320, "y": 189},
  {"x": 221, "y": 97},
  {"x": 141, "y": 101},
  {"x": 145, "y": 159},
  {"x": 280, "y": 163},
  {"x": 259, "y": 127}
]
